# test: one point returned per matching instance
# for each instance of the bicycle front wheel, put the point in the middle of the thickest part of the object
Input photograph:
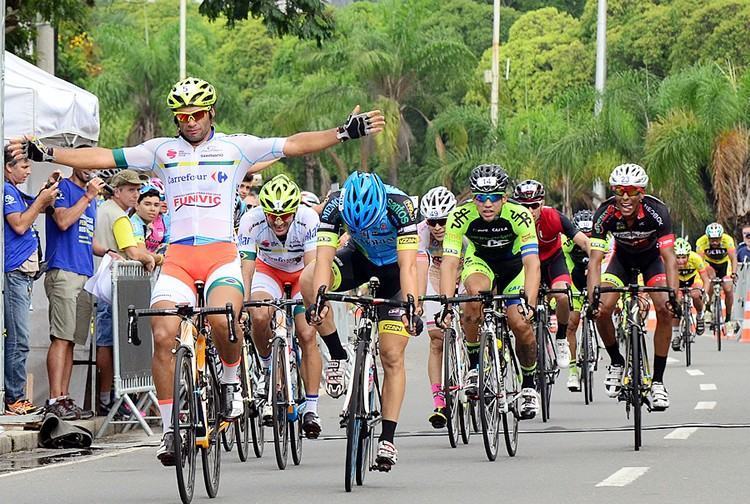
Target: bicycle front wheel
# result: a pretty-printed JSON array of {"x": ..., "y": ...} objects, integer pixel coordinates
[
  {"x": 293, "y": 414},
  {"x": 717, "y": 320},
  {"x": 541, "y": 365},
  {"x": 211, "y": 455},
  {"x": 687, "y": 325},
  {"x": 280, "y": 400},
  {"x": 450, "y": 385},
  {"x": 489, "y": 393},
  {"x": 365, "y": 457},
  {"x": 512, "y": 385},
  {"x": 184, "y": 419},
  {"x": 354, "y": 420},
  {"x": 637, "y": 384}
]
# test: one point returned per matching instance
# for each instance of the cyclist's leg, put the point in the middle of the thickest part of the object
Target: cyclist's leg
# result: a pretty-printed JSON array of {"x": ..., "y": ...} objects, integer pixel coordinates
[
  {"x": 435, "y": 356},
  {"x": 725, "y": 273},
  {"x": 264, "y": 287},
  {"x": 559, "y": 278},
  {"x": 476, "y": 277},
  {"x": 654, "y": 275},
  {"x": 616, "y": 275}
]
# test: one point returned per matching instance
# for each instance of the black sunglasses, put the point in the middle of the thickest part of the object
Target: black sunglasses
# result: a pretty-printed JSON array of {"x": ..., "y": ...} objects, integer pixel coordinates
[
  {"x": 746, "y": 235},
  {"x": 532, "y": 206},
  {"x": 435, "y": 222}
]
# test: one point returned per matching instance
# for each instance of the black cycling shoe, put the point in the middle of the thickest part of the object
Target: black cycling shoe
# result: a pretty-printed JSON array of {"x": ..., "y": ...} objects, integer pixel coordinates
[
  {"x": 311, "y": 425},
  {"x": 439, "y": 418},
  {"x": 165, "y": 452}
]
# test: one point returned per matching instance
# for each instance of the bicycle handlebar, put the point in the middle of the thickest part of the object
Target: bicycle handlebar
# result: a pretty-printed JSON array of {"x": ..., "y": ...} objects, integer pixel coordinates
[
  {"x": 635, "y": 289},
  {"x": 183, "y": 310},
  {"x": 368, "y": 301}
]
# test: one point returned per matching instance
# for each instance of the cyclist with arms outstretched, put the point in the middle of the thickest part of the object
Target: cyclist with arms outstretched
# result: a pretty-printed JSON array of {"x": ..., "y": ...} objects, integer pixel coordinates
[
  {"x": 502, "y": 254},
  {"x": 642, "y": 230},
  {"x": 381, "y": 222},
  {"x": 201, "y": 169}
]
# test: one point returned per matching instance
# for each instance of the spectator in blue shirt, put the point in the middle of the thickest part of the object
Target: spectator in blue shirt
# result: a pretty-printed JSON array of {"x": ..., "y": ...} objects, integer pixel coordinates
[
  {"x": 21, "y": 266},
  {"x": 70, "y": 249},
  {"x": 743, "y": 251}
]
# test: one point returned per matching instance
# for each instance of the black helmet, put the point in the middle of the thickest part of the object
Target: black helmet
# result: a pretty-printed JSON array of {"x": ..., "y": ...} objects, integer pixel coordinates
[
  {"x": 488, "y": 178},
  {"x": 584, "y": 220},
  {"x": 529, "y": 191}
]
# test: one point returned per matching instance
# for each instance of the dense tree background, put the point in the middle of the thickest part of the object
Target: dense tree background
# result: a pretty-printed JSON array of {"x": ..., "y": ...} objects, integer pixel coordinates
[{"x": 677, "y": 100}]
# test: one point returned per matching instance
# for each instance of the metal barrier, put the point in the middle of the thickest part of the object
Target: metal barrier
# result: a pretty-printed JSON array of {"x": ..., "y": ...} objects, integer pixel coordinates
[
  {"x": 131, "y": 285},
  {"x": 741, "y": 308}
]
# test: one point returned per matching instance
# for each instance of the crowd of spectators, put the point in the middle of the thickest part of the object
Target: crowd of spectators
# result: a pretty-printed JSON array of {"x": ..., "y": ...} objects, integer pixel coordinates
[{"x": 86, "y": 217}]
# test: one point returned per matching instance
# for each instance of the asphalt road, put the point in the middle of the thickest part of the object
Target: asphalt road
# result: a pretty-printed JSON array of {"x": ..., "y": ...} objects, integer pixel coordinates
[{"x": 697, "y": 451}]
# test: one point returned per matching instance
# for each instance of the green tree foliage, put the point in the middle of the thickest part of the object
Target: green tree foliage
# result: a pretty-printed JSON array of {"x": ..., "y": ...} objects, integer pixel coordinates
[{"x": 22, "y": 15}]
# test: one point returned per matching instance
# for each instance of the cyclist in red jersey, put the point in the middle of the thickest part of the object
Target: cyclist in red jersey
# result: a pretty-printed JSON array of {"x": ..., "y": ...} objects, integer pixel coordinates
[{"x": 550, "y": 225}]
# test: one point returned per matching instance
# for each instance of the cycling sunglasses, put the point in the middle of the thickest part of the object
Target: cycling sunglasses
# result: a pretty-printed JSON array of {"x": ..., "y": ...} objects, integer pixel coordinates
[
  {"x": 631, "y": 191},
  {"x": 532, "y": 206},
  {"x": 285, "y": 217},
  {"x": 196, "y": 115},
  {"x": 492, "y": 197},
  {"x": 437, "y": 222}
]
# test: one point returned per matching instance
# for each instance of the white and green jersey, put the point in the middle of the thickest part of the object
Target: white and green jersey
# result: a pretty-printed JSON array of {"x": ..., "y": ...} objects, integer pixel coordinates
[{"x": 201, "y": 181}]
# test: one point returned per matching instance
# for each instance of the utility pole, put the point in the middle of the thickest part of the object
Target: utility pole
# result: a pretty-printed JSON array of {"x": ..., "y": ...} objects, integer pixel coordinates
[
  {"x": 601, "y": 55},
  {"x": 2, "y": 198},
  {"x": 495, "y": 62},
  {"x": 183, "y": 36}
]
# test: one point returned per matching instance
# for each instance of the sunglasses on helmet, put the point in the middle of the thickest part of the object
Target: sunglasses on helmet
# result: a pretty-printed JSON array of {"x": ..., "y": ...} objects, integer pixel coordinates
[{"x": 491, "y": 197}]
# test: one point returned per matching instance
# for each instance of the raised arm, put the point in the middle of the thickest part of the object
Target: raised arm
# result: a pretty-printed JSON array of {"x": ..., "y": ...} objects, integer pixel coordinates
[{"x": 95, "y": 158}]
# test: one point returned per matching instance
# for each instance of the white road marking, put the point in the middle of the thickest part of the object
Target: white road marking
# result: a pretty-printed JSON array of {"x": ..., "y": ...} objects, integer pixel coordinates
[
  {"x": 672, "y": 360},
  {"x": 623, "y": 477},
  {"x": 694, "y": 372},
  {"x": 707, "y": 386},
  {"x": 681, "y": 433},
  {"x": 705, "y": 405},
  {"x": 90, "y": 458}
]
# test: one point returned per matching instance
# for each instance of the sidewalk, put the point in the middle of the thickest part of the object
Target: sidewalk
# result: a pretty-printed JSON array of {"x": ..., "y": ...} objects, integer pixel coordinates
[{"x": 16, "y": 439}]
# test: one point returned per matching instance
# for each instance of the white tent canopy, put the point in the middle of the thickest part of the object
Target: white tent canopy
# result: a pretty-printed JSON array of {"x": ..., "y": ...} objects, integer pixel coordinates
[{"x": 48, "y": 107}]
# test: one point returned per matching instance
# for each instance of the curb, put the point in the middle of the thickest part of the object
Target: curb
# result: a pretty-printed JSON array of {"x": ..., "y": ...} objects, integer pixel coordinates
[{"x": 16, "y": 440}]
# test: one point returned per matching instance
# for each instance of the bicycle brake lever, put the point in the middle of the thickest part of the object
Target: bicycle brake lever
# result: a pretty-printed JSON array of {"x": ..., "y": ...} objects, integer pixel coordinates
[{"x": 230, "y": 323}]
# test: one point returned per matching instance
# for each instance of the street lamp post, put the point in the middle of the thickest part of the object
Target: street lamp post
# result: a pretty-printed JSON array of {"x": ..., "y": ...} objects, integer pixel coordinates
[
  {"x": 183, "y": 36},
  {"x": 495, "y": 62},
  {"x": 601, "y": 55}
]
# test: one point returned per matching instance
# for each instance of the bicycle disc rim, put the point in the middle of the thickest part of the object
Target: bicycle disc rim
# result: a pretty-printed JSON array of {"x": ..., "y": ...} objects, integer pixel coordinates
[{"x": 184, "y": 452}]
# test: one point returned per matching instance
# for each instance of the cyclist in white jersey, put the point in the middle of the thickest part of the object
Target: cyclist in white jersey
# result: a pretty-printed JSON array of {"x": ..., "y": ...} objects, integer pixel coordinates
[
  {"x": 277, "y": 240},
  {"x": 201, "y": 170},
  {"x": 435, "y": 206}
]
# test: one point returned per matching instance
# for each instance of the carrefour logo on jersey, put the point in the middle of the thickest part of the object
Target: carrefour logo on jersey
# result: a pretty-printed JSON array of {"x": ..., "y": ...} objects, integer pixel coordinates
[
  {"x": 198, "y": 199},
  {"x": 219, "y": 176},
  {"x": 188, "y": 177}
]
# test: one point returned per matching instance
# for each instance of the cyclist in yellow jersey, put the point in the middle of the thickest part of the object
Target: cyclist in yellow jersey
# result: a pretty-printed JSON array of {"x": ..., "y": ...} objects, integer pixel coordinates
[
  {"x": 718, "y": 250},
  {"x": 201, "y": 170},
  {"x": 692, "y": 272}
]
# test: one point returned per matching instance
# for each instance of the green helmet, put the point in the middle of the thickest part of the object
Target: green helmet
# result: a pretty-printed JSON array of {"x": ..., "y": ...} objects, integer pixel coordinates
[
  {"x": 682, "y": 247},
  {"x": 280, "y": 195},
  {"x": 191, "y": 92}
]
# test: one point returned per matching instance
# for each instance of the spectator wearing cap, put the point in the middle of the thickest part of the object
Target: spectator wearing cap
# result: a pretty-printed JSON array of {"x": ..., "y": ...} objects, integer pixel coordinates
[
  {"x": 115, "y": 233},
  {"x": 69, "y": 253},
  {"x": 149, "y": 226},
  {"x": 743, "y": 251},
  {"x": 21, "y": 253}
]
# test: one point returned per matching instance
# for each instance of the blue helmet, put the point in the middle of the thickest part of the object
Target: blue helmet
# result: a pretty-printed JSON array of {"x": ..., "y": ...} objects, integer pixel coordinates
[{"x": 362, "y": 201}]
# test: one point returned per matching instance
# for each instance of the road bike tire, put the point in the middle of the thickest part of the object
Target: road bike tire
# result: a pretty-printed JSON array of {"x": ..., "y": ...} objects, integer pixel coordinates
[
  {"x": 211, "y": 456},
  {"x": 464, "y": 403},
  {"x": 687, "y": 336},
  {"x": 354, "y": 419},
  {"x": 489, "y": 391},
  {"x": 586, "y": 362},
  {"x": 258, "y": 434},
  {"x": 280, "y": 401},
  {"x": 717, "y": 316},
  {"x": 242, "y": 425},
  {"x": 636, "y": 385},
  {"x": 541, "y": 364},
  {"x": 184, "y": 419},
  {"x": 450, "y": 386},
  {"x": 512, "y": 384},
  {"x": 365, "y": 457},
  {"x": 293, "y": 414},
  {"x": 228, "y": 437}
]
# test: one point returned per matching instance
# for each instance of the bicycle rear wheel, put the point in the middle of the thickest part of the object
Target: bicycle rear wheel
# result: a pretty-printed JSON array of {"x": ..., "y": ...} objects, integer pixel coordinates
[
  {"x": 636, "y": 384},
  {"x": 279, "y": 402},
  {"x": 450, "y": 385},
  {"x": 242, "y": 426},
  {"x": 211, "y": 455},
  {"x": 184, "y": 419},
  {"x": 541, "y": 365},
  {"x": 512, "y": 385},
  {"x": 293, "y": 413},
  {"x": 489, "y": 392}
]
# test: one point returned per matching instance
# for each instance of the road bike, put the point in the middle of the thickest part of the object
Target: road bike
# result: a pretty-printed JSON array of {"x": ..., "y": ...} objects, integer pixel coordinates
[
  {"x": 717, "y": 324},
  {"x": 588, "y": 352},
  {"x": 547, "y": 368},
  {"x": 687, "y": 324}
]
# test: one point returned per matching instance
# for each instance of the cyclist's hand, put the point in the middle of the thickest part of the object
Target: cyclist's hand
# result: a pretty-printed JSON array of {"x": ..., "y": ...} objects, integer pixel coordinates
[
  {"x": 359, "y": 124},
  {"x": 315, "y": 314},
  {"x": 444, "y": 318},
  {"x": 244, "y": 316},
  {"x": 416, "y": 327},
  {"x": 592, "y": 311},
  {"x": 526, "y": 312}
]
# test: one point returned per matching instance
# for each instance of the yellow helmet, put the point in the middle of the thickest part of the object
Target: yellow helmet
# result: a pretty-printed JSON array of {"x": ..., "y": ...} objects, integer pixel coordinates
[
  {"x": 280, "y": 195},
  {"x": 191, "y": 92}
]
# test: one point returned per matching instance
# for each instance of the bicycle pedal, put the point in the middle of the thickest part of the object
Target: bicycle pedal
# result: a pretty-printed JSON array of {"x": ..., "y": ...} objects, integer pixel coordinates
[{"x": 381, "y": 466}]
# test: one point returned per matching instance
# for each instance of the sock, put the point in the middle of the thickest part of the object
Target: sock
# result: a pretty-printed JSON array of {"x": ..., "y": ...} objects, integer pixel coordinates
[
  {"x": 230, "y": 374},
  {"x": 165, "y": 408},
  {"x": 472, "y": 348},
  {"x": 728, "y": 317},
  {"x": 614, "y": 354},
  {"x": 52, "y": 400},
  {"x": 562, "y": 331},
  {"x": 388, "y": 432},
  {"x": 104, "y": 398},
  {"x": 675, "y": 331},
  {"x": 265, "y": 362},
  {"x": 528, "y": 376},
  {"x": 311, "y": 403},
  {"x": 438, "y": 396},
  {"x": 660, "y": 363},
  {"x": 333, "y": 343}
]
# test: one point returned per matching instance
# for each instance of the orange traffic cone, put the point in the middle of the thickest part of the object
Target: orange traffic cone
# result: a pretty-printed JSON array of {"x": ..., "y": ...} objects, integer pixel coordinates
[{"x": 746, "y": 320}]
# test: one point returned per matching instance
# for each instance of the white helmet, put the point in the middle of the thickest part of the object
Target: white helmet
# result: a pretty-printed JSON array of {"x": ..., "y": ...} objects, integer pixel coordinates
[
  {"x": 714, "y": 230},
  {"x": 682, "y": 247},
  {"x": 628, "y": 174},
  {"x": 437, "y": 203},
  {"x": 309, "y": 199}
]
